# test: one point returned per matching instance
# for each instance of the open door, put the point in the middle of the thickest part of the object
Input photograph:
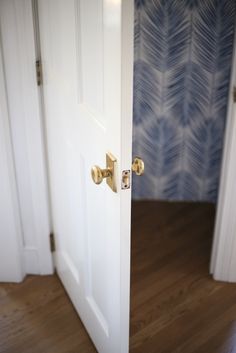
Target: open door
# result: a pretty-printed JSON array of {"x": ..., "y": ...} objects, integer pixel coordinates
[{"x": 87, "y": 60}]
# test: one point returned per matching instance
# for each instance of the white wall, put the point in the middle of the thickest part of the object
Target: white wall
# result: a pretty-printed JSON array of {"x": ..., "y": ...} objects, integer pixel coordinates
[
  {"x": 11, "y": 265},
  {"x": 19, "y": 56}
]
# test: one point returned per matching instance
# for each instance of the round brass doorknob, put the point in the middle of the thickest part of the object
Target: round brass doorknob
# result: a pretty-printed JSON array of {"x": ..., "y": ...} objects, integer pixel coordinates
[
  {"x": 138, "y": 166},
  {"x": 99, "y": 174}
]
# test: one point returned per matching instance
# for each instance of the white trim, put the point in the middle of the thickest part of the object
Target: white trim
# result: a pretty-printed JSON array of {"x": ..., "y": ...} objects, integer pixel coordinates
[
  {"x": 19, "y": 53},
  {"x": 31, "y": 259},
  {"x": 223, "y": 259},
  {"x": 11, "y": 242}
]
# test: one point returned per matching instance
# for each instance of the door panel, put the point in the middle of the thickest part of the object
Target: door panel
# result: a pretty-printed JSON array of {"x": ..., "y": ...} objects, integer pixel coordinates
[
  {"x": 87, "y": 56},
  {"x": 90, "y": 15}
]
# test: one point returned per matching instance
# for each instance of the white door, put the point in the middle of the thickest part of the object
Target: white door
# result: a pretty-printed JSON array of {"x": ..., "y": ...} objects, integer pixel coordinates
[{"x": 87, "y": 58}]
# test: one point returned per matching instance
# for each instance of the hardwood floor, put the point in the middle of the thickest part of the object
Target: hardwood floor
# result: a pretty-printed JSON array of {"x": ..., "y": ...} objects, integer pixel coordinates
[
  {"x": 36, "y": 316},
  {"x": 176, "y": 307},
  {"x": 175, "y": 304}
]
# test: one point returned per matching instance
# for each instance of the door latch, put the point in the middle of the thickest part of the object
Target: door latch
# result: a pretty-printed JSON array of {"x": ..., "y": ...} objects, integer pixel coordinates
[
  {"x": 137, "y": 168},
  {"x": 125, "y": 181}
]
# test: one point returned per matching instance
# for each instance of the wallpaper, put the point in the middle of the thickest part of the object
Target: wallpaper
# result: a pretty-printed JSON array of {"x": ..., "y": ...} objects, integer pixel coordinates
[{"x": 183, "y": 53}]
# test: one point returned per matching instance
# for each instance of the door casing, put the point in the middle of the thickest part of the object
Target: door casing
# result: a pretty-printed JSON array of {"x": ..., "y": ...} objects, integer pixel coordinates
[{"x": 26, "y": 122}]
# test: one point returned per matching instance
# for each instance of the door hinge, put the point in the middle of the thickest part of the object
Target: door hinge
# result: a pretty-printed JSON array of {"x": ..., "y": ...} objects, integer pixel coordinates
[
  {"x": 52, "y": 243},
  {"x": 39, "y": 73}
]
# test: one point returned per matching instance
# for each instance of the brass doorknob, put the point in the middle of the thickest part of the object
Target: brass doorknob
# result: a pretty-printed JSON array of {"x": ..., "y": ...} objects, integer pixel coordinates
[
  {"x": 99, "y": 174},
  {"x": 109, "y": 173},
  {"x": 138, "y": 166}
]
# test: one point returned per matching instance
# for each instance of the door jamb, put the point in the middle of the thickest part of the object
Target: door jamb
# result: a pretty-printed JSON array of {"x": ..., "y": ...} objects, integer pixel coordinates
[
  {"x": 223, "y": 257},
  {"x": 28, "y": 135},
  {"x": 11, "y": 236}
]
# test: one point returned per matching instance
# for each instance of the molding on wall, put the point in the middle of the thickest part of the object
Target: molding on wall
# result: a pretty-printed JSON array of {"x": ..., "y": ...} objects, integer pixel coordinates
[
  {"x": 11, "y": 241},
  {"x": 19, "y": 53},
  {"x": 223, "y": 258}
]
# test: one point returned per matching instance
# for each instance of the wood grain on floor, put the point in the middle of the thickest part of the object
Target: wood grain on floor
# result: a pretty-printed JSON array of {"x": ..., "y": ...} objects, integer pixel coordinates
[
  {"x": 176, "y": 307},
  {"x": 36, "y": 316}
]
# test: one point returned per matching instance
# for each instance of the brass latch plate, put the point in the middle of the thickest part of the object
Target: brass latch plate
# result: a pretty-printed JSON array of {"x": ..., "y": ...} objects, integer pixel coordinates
[{"x": 125, "y": 182}]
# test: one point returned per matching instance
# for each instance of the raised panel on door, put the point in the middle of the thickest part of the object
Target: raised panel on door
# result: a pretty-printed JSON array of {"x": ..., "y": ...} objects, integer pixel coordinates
[{"x": 88, "y": 109}]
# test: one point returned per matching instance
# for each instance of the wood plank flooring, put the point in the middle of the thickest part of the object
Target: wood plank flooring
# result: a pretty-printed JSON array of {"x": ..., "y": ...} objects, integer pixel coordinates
[
  {"x": 176, "y": 307},
  {"x": 36, "y": 316}
]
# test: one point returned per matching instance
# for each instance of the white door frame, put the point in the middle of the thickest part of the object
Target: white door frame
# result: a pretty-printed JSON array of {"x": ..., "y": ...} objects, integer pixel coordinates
[
  {"x": 27, "y": 130},
  {"x": 223, "y": 258},
  {"x": 11, "y": 244}
]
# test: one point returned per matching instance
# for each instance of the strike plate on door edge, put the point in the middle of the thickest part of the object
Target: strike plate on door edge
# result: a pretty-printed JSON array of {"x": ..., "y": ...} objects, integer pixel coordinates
[{"x": 125, "y": 182}]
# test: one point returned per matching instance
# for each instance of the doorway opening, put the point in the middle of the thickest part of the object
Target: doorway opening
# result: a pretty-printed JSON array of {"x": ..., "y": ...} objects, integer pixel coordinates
[{"x": 182, "y": 70}]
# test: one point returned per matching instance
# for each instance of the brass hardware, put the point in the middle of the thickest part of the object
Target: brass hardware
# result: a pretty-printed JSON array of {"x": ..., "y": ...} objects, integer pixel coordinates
[
  {"x": 39, "y": 75},
  {"x": 234, "y": 94},
  {"x": 98, "y": 174},
  {"x": 52, "y": 242},
  {"x": 125, "y": 182},
  {"x": 138, "y": 166}
]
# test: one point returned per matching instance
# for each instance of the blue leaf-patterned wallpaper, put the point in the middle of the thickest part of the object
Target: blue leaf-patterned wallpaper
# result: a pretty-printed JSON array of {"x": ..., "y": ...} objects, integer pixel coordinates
[{"x": 183, "y": 52}]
